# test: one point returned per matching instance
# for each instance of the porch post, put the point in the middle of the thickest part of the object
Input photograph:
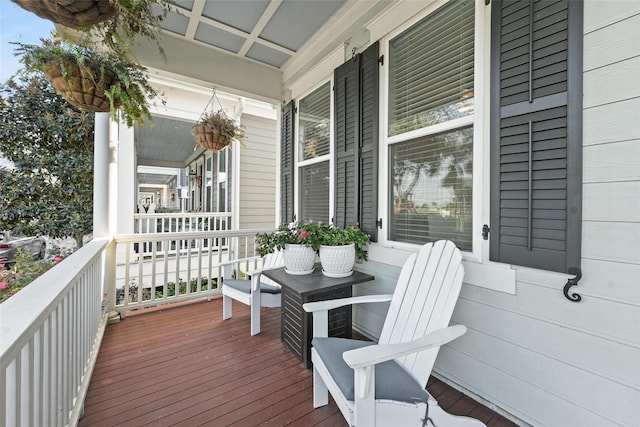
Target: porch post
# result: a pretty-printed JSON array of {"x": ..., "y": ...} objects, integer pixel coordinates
[{"x": 101, "y": 160}]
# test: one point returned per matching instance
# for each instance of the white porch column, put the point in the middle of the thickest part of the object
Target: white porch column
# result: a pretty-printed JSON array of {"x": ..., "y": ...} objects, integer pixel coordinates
[
  {"x": 101, "y": 162},
  {"x": 127, "y": 183}
]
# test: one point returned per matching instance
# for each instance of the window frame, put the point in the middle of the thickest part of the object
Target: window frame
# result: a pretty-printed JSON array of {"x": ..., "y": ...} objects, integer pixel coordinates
[
  {"x": 300, "y": 164},
  {"x": 480, "y": 189}
]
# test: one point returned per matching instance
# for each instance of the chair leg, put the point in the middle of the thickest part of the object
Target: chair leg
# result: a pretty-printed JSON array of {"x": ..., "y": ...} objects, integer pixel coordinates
[
  {"x": 255, "y": 314},
  {"x": 226, "y": 307},
  {"x": 320, "y": 390}
]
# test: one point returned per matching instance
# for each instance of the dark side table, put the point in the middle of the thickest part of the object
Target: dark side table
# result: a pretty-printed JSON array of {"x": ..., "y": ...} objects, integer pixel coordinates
[{"x": 297, "y": 325}]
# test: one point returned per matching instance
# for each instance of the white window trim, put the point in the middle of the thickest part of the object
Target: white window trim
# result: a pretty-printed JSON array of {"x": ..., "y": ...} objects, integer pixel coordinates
[
  {"x": 299, "y": 164},
  {"x": 479, "y": 271}
]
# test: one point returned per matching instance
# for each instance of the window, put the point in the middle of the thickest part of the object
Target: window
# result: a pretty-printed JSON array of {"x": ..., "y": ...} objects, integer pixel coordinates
[
  {"x": 314, "y": 136},
  {"x": 430, "y": 128}
]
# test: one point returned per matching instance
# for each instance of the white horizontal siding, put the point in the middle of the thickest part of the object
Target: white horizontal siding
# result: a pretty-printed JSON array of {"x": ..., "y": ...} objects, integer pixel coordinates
[
  {"x": 537, "y": 355},
  {"x": 257, "y": 198}
]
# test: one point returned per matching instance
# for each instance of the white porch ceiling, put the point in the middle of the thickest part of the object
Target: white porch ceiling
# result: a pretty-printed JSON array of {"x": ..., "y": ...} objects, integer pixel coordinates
[{"x": 242, "y": 47}]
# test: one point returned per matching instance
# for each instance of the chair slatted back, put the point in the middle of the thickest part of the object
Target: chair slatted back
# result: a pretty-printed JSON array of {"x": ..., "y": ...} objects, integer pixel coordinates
[
  {"x": 270, "y": 261},
  {"x": 423, "y": 301}
]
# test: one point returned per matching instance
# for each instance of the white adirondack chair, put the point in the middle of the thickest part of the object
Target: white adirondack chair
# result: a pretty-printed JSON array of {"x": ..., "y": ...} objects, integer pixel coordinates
[
  {"x": 384, "y": 384},
  {"x": 256, "y": 292}
]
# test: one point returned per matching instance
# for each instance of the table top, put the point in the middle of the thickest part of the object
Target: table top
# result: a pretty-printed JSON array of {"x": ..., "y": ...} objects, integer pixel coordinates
[{"x": 315, "y": 282}]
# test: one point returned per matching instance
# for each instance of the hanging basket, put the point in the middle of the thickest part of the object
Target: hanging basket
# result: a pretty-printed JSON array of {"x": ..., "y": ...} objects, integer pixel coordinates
[
  {"x": 210, "y": 137},
  {"x": 82, "y": 87},
  {"x": 71, "y": 13}
]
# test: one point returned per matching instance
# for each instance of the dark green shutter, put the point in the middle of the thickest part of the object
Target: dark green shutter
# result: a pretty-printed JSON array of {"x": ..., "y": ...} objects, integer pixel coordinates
[
  {"x": 356, "y": 141},
  {"x": 368, "y": 203},
  {"x": 286, "y": 164},
  {"x": 536, "y": 133}
]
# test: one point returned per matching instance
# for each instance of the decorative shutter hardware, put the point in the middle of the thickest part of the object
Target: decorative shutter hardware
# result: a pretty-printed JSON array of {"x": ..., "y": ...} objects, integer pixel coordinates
[
  {"x": 485, "y": 232},
  {"x": 487, "y": 2},
  {"x": 354, "y": 54},
  {"x": 573, "y": 282},
  {"x": 381, "y": 60},
  {"x": 379, "y": 223}
]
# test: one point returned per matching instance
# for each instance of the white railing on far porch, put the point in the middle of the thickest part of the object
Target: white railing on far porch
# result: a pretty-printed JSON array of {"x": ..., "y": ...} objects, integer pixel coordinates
[
  {"x": 162, "y": 268},
  {"x": 49, "y": 335}
]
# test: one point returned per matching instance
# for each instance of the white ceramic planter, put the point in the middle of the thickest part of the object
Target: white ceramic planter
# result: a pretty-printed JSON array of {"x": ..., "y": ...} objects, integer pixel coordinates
[
  {"x": 298, "y": 259},
  {"x": 338, "y": 261}
]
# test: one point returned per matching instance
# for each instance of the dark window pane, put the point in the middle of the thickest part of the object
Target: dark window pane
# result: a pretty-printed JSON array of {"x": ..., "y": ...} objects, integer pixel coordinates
[
  {"x": 314, "y": 123},
  {"x": 314, "y": 192},
  {"x": 432, "y": 182},
  {"x": 431, "y": 69}
]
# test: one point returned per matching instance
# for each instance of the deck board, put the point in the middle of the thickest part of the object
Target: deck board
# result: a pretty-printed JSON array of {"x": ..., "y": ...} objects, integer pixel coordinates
[{"x": 182, "y": 365}]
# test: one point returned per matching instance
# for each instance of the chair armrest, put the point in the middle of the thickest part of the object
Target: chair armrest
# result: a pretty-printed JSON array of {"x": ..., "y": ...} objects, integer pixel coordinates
[
  {"x": 312, "y": 307},
  {"x": 227, "y": 266},
  {"x": 372, "y": 355},
  {"x": 320, "y": 310}
]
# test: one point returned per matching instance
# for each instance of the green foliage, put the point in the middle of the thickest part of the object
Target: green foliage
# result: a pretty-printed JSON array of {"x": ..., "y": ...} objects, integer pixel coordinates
[
  {"x": 25, "y": 270},
  {"x": 313, "y": 234},
  {"x": 304, "y": 233},
  {"x": 336, "y": 236},
  {"x": 125, "y": 82},
  {"x": 49, "y": 190},
  {"x": 205, "y": 285},
  {"x": 133, "y": 18}
]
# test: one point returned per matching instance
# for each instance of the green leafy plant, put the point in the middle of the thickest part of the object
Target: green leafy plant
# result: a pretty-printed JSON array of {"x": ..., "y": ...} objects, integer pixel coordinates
[
  {"x": 116, "y": 23},
  {"x": 132, "y": 19},
  {"x": 336, "y": 236},
  {"x": 305, "y": 233},
  {"x": 86, "y": 77},
  {"x": 25, "y": 270},
  {"x": 313, "y": 234}
]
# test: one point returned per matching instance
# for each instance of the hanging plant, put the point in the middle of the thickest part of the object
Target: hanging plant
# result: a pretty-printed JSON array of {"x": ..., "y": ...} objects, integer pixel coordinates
[
  {"x": 116, "y": 24},
  {"x": 71, "y": 13},
  {"x": 215, "y": 130},
  {"x": 91, "y": 80}
]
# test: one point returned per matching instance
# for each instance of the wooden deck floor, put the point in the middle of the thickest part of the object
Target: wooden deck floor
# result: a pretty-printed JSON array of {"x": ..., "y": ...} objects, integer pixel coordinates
[{"x": 184, "y": 366}]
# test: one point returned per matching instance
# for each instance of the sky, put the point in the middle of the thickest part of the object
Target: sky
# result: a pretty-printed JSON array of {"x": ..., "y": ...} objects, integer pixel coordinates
[{"x": 18, "y": 25}]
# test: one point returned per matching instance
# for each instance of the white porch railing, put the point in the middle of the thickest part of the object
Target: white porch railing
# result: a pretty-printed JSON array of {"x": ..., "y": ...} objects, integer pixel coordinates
[
  {"x": 50, "y": 331},
  {"x": 161, "y": 268},
  {"x": 182, "y": 222},
  {"x": 179, "y": 223}
]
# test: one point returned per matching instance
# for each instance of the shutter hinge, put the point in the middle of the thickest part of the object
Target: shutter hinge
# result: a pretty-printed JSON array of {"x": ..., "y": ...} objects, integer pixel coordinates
[
  {"x": 381, "y": 60},
  {"x": 379, "y": 223},
  {"x": 485, "y": 232},
  {"x": 295, "y": 110},
  {"x": 487, "y": 2}
]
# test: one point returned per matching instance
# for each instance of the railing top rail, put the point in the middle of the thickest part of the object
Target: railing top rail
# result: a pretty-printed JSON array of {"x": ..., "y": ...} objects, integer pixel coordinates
[
  {"x": 22, "y": 314},
  {"x": 125, "y": 238},
  {"x": 182, "y": 215}
]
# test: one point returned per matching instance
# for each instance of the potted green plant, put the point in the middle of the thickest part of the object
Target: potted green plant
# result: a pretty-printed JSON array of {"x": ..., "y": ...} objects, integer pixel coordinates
[
  {"x": 115, "y": 22},
  {"x": 340, "y": 248},
  {"x": 299, "y": 243},
  {"x": 215, "y": 130},
  {"x": 91, "y": 80}
]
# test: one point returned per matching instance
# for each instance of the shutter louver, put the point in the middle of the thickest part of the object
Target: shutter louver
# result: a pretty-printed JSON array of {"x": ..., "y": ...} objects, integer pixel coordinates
[
  {"x": 356, "y": 142},
  {"x": 286, "y": 164},
  {"x": 536, "y": 137},
  {"x": 347, "y": 126},
  {"x": 369, "y": 71}
]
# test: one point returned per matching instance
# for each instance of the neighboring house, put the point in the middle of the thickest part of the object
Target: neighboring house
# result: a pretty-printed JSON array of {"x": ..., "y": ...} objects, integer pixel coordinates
[{"x": 423, "y": 123}]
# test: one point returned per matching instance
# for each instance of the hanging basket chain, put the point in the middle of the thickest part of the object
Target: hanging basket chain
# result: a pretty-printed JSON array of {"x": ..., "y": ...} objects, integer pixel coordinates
[{"x": 214, "y": 130}]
